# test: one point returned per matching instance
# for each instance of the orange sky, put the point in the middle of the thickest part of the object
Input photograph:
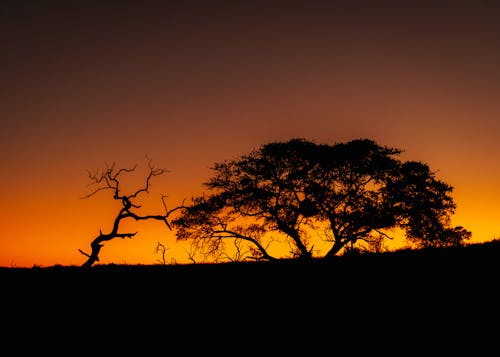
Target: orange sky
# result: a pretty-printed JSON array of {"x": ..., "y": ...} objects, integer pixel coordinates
[{"x": 189, "y": 84}]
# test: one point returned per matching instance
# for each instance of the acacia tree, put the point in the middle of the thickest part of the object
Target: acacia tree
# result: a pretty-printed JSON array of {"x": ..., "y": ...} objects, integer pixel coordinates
[
  {"x": 109, "y": 180},
  {"x": 347, "y": 193},
  {"x": 424, "y": 206}
]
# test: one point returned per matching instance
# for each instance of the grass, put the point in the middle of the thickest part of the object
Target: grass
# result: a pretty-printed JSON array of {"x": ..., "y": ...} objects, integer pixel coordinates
[
  {"x": 469, "y": 264},
  {"x": 424, "y": 302}
]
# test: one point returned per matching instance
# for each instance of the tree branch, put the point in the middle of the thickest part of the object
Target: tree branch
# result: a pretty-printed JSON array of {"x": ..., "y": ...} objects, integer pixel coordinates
[{"x": 109, "y": 179}]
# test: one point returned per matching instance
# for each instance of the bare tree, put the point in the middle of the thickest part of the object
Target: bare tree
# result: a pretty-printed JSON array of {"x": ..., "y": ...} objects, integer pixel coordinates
[
  {"x": 109, "y": 179},
  {"x": 161, "y": 249}
]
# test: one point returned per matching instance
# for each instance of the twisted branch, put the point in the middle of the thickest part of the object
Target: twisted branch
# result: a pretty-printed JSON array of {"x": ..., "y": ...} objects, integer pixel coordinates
[{"x": 109, "y": 179}]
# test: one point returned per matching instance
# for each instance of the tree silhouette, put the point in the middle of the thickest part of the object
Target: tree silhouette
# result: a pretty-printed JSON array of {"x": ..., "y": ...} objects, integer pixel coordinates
[
  {"x": 109, "y": 179},
  {"x": 346, "y": 194},
  {"x": 424, "y": 206}
]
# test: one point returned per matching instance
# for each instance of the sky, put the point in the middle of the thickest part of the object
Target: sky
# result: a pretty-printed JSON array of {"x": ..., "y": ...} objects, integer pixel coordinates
[{"x": 190, "y": 83}]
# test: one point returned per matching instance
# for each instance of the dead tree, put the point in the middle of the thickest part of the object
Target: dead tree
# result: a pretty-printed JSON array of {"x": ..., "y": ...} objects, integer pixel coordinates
[{"x": 109, "y": 179}]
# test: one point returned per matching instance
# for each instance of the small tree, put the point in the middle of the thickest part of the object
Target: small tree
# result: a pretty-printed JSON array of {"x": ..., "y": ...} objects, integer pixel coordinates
[
  {"x": 354, "y": 193},
  {"x": 161, "y": 249},
  {"x": 109, "y": 180}
]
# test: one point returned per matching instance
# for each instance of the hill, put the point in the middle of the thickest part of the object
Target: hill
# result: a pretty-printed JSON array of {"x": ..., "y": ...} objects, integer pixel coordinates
[
  {"x": 444, "y": 270},
  {"x": 431, "y": 263},
  {"x": 403, "y": 302}
]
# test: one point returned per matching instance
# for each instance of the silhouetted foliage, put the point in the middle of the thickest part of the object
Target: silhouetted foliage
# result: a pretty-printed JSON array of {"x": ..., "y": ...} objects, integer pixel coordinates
[
  {"x": 425, "y": 206},
  {"x": 299, "y": 192},
  {"x": 109, "y": 179}
]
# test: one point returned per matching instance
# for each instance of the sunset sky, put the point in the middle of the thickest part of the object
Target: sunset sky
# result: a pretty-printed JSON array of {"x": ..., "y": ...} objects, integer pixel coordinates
[{"x": 191, "y": 83}]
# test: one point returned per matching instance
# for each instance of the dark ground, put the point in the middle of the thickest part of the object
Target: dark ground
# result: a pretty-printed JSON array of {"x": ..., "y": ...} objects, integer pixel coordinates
[{"x": 431, "y": 302}]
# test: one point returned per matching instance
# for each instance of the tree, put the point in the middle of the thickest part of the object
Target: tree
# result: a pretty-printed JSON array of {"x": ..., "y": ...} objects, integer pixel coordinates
[
  {"x": 425, "y": 206},
  {"x": 347, "y": 194},
  {"x": 109, "y": 179}
]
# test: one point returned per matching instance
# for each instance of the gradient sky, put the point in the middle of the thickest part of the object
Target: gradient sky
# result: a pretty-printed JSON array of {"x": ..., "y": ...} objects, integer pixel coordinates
[{"x": 190, "y": 83}]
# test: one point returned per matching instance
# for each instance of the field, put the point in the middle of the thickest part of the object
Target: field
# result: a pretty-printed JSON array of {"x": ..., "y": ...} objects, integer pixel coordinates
[{"x": 446, "y": 298}]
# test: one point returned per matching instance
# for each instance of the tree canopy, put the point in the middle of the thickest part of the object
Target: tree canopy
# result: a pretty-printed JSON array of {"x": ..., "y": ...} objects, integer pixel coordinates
[{"x": 305, "y": 195}]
